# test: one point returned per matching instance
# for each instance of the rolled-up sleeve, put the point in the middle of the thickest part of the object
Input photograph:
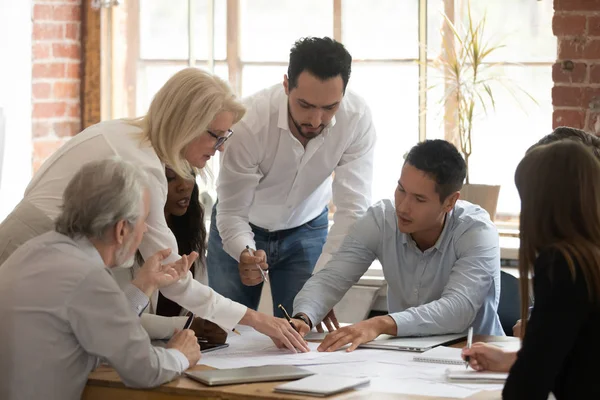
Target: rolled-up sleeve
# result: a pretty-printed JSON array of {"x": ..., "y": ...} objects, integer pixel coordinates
[
  {"x": 470, "y": 280},
  {"x": 238, "y": 179}
]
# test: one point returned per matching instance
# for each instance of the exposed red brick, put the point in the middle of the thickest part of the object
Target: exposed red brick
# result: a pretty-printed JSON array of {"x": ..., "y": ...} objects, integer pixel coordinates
[
  {"x": 572, "y": 118},
  {"x": 41, "y": 51},
  {"x": 69, "y": 50},
  {"x": 592, "y": 49},
  {"x": 595, "y": 73},
  {"x": 593, "y": 25},
  {"x": 43, "y": 31},
  {"x": 66, "y": 90},
  {"x": 67, "y": 13},
  {"x": 66, "y": 128},
  {"x": 41, "y": 129},
  {"x": 568, "y": 25},
  {"x": 576, "y": 5},
  {"x": 570, "y": 49},
  {"x": 48, "y": 70},
  {"x": 41, "y": 90},
  {"x": 74, "y": 110},
  {"x": 43, "y": 12},
  {"x": 566, "y": 96},
  {"x": 73, "y": 70},
  {"x": 72, "y": 31},
  {"x": 49, "y": 110},
  {"x": 591, "y": 98},
  {"x": 569, "y": 72}
]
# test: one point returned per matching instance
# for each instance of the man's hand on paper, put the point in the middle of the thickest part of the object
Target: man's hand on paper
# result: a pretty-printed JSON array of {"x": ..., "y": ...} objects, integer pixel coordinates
[
  {"x": 301, "y": 326},
  {"x": 487, "y": 357},
  {"x": 249, "y": 267},
  {"x": 278, "y": 329},
  {"x": 357, "y": 334},
  {"x": 186, "y": 342},
  {"x": 330, "y": 322}
]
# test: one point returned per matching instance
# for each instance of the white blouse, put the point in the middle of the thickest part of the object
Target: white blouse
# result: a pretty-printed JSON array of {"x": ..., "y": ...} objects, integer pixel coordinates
[{"x": 119, "y": 138}]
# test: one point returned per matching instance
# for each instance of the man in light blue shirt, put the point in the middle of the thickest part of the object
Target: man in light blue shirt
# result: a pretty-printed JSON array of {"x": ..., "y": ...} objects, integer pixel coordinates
[{"x": 440, "y": 258}]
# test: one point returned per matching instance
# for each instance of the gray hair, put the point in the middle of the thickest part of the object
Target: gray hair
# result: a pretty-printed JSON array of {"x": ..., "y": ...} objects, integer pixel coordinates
[{"x": 101, "y": 194}]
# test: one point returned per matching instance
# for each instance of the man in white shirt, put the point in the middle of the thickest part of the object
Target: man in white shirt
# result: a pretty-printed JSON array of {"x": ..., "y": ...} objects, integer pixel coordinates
[
  {"x": 62, "y": 311},
  {"x": 276, "y": 178}
]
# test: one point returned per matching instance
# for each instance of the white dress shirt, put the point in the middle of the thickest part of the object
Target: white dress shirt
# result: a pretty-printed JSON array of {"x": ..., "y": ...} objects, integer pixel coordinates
[
  {"x": 158, "y": 327},
  {"x": 269, "y": 179},
  {"x": 61, "y": 312},
  {"x": 119, "y": 138}
]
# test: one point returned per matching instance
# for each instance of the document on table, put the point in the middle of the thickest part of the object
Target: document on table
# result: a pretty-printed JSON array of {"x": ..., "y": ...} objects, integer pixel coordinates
[{"x": 390, "y": 371}]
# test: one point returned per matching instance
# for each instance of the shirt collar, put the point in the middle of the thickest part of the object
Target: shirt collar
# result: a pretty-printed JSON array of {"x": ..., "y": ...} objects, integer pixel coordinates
[
  {"x": 84, "y": 244},
  {"x": 439, "y": 244}
]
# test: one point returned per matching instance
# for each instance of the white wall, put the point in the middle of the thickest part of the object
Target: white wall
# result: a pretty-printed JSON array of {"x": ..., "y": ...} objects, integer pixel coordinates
[{"x": 15, "y": 99}]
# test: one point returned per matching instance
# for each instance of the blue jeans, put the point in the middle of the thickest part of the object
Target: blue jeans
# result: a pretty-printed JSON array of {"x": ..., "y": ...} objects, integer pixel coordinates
[{"x": 291, "y": 255}]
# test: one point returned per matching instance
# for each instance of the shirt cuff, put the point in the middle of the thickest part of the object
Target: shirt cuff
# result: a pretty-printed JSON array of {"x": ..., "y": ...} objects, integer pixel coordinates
[
  {"x": 184, "y": 363},
  {"x": 137, "y": 299},
  {"x": 406, "y": 324},
  {"x": 235, "y": 246}
]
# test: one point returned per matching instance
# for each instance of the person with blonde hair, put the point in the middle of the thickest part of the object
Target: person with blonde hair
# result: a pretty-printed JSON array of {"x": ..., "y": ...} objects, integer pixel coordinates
[
  {"x": 559, "y": 186},
  {"x": 188, "y": 121}
]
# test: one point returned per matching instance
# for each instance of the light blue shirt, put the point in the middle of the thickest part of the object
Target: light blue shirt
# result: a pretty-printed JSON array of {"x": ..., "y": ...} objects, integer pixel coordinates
[{"x": 444, "y": 289}]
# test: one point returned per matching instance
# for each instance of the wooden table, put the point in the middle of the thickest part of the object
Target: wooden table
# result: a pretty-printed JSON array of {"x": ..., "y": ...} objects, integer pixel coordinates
[{"x": 104, "y": 383}]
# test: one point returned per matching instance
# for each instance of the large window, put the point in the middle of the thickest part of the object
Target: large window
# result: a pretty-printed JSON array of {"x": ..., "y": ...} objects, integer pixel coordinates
[{"x": 248, "y": 42}]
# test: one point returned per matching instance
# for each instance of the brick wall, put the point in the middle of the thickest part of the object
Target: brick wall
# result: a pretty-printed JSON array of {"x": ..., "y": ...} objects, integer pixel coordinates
[
  {"x": 56, "y": 75},
  {"x": 576, "y": 74}
]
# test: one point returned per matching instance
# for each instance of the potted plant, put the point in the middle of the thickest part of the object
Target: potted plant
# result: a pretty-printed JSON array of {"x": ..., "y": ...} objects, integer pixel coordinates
[{"x": 467, "y": 75}]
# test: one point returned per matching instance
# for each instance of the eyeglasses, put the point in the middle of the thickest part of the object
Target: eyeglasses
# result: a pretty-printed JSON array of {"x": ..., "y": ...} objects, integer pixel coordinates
[{"x": 220, "y": 139}]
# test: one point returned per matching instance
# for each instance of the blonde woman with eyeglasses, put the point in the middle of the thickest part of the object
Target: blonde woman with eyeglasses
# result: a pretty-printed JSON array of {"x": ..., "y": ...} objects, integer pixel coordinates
[{"x": 188, "y": 121}]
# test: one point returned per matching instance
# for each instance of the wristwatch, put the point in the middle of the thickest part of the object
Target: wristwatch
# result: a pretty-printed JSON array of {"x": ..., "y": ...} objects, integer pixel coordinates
[{"x": 303, "y": 318}]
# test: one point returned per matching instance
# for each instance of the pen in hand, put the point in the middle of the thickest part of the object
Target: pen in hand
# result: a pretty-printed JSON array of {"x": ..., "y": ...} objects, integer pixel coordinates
[
  {"x": 287, "y": 316},
  {"x": 263, "y": 273},
  {"x": 469, "y": 343},
  {"x": 189, "y": 321}
]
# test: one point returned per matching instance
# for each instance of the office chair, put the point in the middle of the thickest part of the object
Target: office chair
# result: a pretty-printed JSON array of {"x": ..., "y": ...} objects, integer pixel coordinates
[{"x": 509, "y": 306}]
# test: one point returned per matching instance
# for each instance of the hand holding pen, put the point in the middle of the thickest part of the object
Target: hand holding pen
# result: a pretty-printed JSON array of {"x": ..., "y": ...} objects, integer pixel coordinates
[
  {"x": 253, "y": 267},
  {"x": 469, "y": 343}
]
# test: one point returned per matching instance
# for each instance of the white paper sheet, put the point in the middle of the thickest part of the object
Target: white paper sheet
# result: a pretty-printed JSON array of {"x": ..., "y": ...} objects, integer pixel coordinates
[{"x": 390, "y": 371}]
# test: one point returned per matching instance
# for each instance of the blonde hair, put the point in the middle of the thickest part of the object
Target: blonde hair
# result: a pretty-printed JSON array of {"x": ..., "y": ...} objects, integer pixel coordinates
[{"x": 182, "y": 110}]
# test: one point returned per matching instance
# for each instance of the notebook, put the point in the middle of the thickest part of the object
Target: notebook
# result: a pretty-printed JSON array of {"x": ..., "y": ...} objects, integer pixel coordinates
[
  {"x": 472, "y": 376},
  {"x": 441, "y": 355},
  {"x": 321, "y": 385},
  {"x": 266, "y": 373},
  {"x": 420, "y": 344}
]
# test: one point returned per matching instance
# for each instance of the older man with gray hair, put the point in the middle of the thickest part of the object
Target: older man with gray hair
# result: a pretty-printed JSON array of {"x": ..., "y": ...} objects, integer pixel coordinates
[{"x": 62, "y": 311}]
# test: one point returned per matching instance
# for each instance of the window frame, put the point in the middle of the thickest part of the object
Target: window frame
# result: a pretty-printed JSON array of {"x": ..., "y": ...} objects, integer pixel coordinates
[{"x": 118, "y": 103}]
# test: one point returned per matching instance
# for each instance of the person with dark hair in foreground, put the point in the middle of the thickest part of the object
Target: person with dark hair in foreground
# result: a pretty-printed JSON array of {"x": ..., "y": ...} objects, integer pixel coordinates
[
  {"x": 276, "y": 179},
  {"x": 440, "y": 258},
  {"x": 592, "y": 142},
  {"x": 559, "y": 186}
]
